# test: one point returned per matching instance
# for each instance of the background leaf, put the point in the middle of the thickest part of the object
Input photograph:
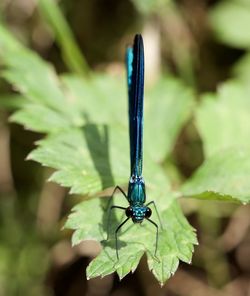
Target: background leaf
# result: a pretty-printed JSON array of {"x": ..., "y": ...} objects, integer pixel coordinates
[
  {"x": 166, "y": 111},
  {"x": 223, "y": 176},
  {"x": 229, "y": 20},
  {"x": 224, "y": 125},
  {"x": 223, "y": 119}
]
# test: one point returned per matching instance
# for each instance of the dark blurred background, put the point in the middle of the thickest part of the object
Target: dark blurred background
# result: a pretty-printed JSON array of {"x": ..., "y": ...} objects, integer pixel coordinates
[{"x": 36, "y": 257}]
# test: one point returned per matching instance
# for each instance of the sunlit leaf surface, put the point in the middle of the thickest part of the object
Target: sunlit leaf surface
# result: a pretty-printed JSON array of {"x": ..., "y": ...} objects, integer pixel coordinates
[{"x": 176, "y": 239}]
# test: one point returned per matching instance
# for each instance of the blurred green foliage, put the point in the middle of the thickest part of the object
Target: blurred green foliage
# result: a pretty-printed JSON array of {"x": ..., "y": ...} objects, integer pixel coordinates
[
  {"x": 150, "y": 6},
  {"x": 24, "y": 255},
  {"x": 83, "y": 119},
  {"x": 229, "y": 19}
]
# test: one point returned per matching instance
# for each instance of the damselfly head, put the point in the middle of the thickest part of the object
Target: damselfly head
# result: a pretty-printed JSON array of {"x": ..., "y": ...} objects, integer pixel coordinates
[{"x": 138, "y": 213}]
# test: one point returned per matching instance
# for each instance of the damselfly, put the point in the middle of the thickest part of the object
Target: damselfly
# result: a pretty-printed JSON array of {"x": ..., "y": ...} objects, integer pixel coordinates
[{"x": 137, "y": 209}]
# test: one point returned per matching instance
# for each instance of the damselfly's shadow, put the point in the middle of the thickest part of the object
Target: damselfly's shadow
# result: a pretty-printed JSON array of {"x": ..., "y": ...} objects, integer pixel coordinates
[{"x": 97, "y": 139}]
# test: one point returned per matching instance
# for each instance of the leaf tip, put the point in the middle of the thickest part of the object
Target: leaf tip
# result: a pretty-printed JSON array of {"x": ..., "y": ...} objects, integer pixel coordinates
[
  {"x": 50, "y": 179},
  {"x": 28, "y": 157}
]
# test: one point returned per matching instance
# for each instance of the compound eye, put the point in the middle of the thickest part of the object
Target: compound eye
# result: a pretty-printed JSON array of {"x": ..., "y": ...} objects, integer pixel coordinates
[
  {"x": 129, "y": 212},
  {"x": 148, "y": 213}
]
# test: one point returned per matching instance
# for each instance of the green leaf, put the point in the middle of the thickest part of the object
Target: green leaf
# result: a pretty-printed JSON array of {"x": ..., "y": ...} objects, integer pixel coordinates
[
  {"x": 87, "y": 143},
  {"x": 223, "y": 119},
  {"x": 223, "y": 122},
  {"x": 11, "y": 102},
  {"x": 87, "y": 160},
  {"x": 91, "y": 95},
  {"x": 175, "y": 241},
  {"x": 229, "y": 20},
  {"x": 35, "y": 79},
  {"x": 92, "y": 159},
  {"x": 223, "y": 176},
  {"x": 48, "y": 120}
]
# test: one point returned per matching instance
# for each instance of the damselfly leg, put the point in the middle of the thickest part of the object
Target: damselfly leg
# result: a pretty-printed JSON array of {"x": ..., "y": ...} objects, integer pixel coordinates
[
  {"x": 113, "y": 207},
  {"x": 157, "y": 234},
  {"x": 153, "y": 203}
]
